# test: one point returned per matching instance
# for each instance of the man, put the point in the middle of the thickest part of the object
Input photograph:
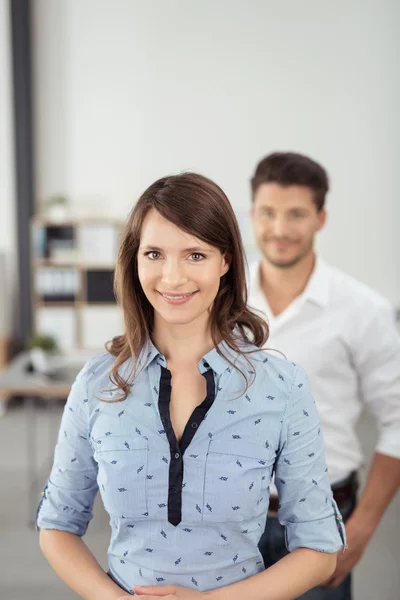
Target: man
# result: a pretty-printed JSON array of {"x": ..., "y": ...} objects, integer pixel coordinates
[{"x": 343, "y": 334}]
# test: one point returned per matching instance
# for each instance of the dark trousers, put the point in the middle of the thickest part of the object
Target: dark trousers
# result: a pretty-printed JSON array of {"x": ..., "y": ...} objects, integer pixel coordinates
[{"x": 272, "y": 547}]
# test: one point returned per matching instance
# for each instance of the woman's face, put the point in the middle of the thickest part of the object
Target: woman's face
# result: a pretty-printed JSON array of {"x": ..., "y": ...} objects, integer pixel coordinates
[{"x": 180, "y": 275}]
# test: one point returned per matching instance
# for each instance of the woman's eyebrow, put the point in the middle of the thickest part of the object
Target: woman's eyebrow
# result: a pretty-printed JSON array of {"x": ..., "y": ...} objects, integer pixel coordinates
[{"x": 184, "y": 250}]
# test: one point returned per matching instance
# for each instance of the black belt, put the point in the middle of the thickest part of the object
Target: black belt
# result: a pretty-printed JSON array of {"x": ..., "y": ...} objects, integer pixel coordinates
[{"x": 341, "y": 494}]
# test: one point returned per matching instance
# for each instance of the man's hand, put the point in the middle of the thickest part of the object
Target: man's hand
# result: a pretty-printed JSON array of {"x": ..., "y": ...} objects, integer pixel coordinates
[
  {"x": 150, "y": 592},
  {"x": 358, "y": 537}
]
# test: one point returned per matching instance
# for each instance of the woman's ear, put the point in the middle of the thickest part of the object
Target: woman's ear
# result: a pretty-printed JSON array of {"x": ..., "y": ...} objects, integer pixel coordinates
[{"x": 227, "y": 259}]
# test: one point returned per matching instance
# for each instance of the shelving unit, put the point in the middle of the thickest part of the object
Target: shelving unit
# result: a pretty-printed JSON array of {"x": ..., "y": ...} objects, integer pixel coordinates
[{"x": 72, "y": 281}]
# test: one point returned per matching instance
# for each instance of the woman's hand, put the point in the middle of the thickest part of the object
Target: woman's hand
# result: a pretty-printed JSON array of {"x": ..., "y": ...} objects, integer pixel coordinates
[{"x": 153, "y": 592}]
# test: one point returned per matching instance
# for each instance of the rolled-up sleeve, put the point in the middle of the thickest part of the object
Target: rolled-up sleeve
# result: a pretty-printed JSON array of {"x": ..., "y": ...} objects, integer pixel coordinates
[
  {"x": 68, "y": 497},
  {"x": 306, "y": 505},
  {"x": 376, "y": 356}
]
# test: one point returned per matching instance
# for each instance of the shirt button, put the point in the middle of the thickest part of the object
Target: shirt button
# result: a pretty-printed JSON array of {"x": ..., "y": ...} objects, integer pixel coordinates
[
  {"x": 212, "y": 397},
  {"x": 339, "y": 518},
  {"x": 194, "y": 425},
  {"x": 177, "y": 455}
]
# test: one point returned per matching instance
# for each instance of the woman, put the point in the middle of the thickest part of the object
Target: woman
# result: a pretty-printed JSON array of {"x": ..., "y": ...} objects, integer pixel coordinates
[{"x": 181, "y": 423}]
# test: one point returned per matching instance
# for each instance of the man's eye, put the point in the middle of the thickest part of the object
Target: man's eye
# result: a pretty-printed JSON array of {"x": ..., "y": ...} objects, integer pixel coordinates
[{"x": 267, "y": 213}]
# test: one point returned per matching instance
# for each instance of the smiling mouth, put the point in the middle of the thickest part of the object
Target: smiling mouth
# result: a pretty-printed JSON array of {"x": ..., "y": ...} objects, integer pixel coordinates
[{"x": 177, "y": 297}]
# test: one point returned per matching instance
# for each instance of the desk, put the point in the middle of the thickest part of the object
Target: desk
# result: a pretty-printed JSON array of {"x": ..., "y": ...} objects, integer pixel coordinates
[{"x": 15, "y": 380}]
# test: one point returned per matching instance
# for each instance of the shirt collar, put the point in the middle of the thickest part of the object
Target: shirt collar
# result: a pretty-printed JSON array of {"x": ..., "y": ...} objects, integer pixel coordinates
[
  {"x": 148, "y": 354},
  {"x": 216, "y": 360},
  {"x": 317, "y": 289},
  {"x": 318, "y": 286},
  {"x": 213, "y": 359}
]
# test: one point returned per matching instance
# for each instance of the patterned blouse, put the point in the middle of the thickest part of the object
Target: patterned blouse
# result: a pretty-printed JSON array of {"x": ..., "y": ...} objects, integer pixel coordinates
[{"x": 191, "y": 513}]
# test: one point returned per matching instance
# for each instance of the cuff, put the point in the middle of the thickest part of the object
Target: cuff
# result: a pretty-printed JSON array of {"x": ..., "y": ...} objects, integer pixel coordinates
[{"x": 323, "y": 535}]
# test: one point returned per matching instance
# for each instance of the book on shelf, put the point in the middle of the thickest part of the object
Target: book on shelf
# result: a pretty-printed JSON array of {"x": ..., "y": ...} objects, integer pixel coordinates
[{"x": 54, "y": 284}]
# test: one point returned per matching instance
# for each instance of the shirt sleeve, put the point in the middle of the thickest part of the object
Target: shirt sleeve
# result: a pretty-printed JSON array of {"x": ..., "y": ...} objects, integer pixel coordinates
[
  {"x": 68, "y": 497},
  {"x": 376, "y": 357},
  {"x": 306, "y": 505}
]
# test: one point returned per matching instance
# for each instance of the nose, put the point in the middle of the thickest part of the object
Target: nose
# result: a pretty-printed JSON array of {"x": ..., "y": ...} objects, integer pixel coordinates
[
  {"x": 173, "y": 274},
  {"x": 279, "y": 227}
]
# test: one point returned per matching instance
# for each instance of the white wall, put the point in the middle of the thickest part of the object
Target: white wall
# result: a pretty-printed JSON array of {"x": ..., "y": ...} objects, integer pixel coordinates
[
  {"x": 7, "y": 189},
  {"x": 128, "y": 91}
]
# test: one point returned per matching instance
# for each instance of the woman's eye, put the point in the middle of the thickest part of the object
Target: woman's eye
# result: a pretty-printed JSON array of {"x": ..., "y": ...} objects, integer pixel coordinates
[
  {"x": 196, "y": 256},
  {"x": 153, "y": 255}
]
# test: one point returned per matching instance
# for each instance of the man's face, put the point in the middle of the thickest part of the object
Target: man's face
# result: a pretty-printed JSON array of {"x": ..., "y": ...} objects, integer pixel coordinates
[{"x": 285, "y": 221}]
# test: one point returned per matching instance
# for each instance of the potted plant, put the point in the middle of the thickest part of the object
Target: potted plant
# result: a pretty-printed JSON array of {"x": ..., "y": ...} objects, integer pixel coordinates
[
  {"x": 42, "y": 350},
  {"x": 56, "y": 207}
]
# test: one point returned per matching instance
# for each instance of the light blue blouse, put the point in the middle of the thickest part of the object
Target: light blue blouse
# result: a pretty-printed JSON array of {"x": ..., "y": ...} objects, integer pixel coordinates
[{"x": 192, "y": 513}]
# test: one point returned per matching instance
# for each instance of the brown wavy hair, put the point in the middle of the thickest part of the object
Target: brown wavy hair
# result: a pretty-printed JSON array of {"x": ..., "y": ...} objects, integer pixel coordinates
[{"x": 198, "y": 206}]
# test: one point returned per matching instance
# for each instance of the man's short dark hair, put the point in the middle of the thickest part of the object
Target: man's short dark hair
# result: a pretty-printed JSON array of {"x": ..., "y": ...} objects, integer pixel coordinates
[{"x": 290, "y": 168}]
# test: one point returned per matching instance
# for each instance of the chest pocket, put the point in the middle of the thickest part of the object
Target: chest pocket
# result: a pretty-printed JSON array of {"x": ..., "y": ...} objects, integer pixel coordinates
[
  {"x": 122, "y": 473},
  {"x": 237, "y": 478}
]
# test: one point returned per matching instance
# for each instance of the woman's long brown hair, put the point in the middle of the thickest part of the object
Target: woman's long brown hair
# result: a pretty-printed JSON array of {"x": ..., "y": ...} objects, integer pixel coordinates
[{"x": 198, "y": 206}]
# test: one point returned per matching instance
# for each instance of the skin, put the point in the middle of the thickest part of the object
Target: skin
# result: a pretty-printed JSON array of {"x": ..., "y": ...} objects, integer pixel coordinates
[
  {"x": 285, "y": 222},
  {"x": 171, "y": 261}
]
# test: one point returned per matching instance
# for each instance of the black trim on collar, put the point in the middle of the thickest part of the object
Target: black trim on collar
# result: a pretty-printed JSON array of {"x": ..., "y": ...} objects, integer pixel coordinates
[{"x": 177, "y": 449}]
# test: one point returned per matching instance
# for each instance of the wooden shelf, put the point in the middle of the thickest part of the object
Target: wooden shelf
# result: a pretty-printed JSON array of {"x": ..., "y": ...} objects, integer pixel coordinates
[
  {"x": 76, "y": 221},
  {"x": 99, "y": 267},
  {"x": 76, "y": 304},
  {"x": 98, "y": 304},
  {"x": 90, "y": 317},
  {"x": 45, "y": 262},
  {"x": 55, "y": 303}
]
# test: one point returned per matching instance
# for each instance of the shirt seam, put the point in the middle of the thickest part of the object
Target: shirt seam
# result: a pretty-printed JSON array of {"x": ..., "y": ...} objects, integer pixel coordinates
[
  {"x": 289, "y": 398},
  {"x": 86, "y": 404}
]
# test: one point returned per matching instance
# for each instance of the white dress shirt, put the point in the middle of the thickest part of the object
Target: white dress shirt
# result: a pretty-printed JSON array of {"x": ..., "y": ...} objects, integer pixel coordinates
[{"x": 344, "y": 335}]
